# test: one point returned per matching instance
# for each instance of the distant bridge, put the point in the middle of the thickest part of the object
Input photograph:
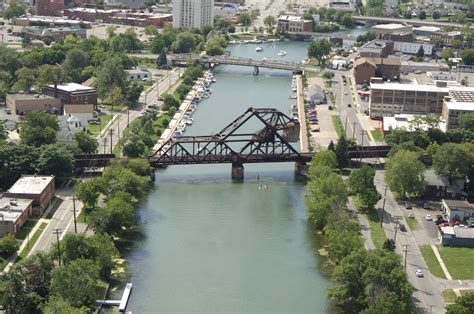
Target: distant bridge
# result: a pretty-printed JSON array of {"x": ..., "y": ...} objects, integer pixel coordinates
[{"x": 384, "y": 20}]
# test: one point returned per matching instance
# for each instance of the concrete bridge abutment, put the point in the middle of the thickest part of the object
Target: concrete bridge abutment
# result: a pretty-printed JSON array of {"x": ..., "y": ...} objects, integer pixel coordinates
[
  {"x": 301, "y": 168},
  {"x": 237, "y": 171}
]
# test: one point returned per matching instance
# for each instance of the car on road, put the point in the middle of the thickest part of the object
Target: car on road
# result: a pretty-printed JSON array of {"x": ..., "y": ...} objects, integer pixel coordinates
[
  {"x": 402, "y": 227},
  {"x": 419, "y": 273},
  {"x": 349, "y": 105},
  {"x": 315, "y": 130},
  {"x": 330, "y": 107},
  {"x": 161, "y": 98},
  {"x": 429, "y": 218},
  {"x": 8, "y": 111},
  {"x": 346, "y": 93}
]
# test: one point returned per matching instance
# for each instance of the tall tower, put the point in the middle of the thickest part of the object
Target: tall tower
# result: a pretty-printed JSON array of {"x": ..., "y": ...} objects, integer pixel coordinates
[{"x": 193, "y": 13}]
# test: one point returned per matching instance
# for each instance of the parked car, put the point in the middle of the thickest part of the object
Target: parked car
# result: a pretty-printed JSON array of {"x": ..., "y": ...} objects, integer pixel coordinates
[
  {"x": 349, "y": 105},
  {"x": 315, "y": 130},
  {"x": 407, "y": 205},
  {"x": 426, "y": 205},
  {"x": 330, "y": 107},
  {"x": 419, "y": 273},
  {"x": 402, "y": 227},
  {"x": 429, "y": 218}
]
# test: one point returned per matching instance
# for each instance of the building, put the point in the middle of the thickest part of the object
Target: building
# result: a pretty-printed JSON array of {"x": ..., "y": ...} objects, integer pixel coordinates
[
  {"x": 440, "y": 186},
  {"x": 68, "y": 126},
  {"x": 48, "y": 22},
  {"x": 425, "y": 31},
  {"x": 456, "y": 104},
  {"x": 138, "y": 74},
  {"x": 447, "y": 37},
  {"x": 14, "y": 212},
  {"x": 423, "y": 67},
  {"x": 72, "y": 93},
  {"x": 49, "y": 34},
  {"x": 404, "y": 121},
  {"x": 341, "y": 5},
  {"x": 456, "y": 210},
  {"x": 413, "y": 48},
  {"x": 83, "y": 113},
  {"x": 366, "y": 68},
  {"x": 49, "y": 7},
  {"x": 442, "y": 76},
  {"x": 294, "y": 24},
  {"x": 226, "y": 10},
  {"x": 456, "y": 236},
  {"x": 40, "y": 189},
  {"x": 24, "y": 103},
  {"x": 193, "y": 13},
  {"x": 132, "y": 4},
  {"x": 382, "y": 29},
  {"x": 399, "y": 36},
  {"x": 389, "y": 99},
  {"x": 316, "y": 95},
  {"x": 376, "y": 49}
]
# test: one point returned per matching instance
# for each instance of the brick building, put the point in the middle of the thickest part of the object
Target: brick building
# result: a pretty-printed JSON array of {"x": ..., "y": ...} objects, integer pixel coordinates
[
  {"x": 40, "y": 189},
  {"x": 13, "y": 214},
  {"x": 49, "y": 7},
  {"x": 294, "y": 24},
  {"x": 385, "y": 68},
  {"x": 72, "y": 93}
]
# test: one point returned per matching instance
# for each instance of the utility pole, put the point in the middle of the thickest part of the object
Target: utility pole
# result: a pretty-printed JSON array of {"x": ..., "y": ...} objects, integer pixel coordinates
[
  {"x": 111, "y": 131},
  {"x": 362, "y": 146},
  {"x": 353, "y": 130},
  {"x": 128, "y": 116},
  {"x": 57, "y": 232},
  {"x": 396, "y": 229},
  {"x": 105, "y": 144},
  {"x": 405, "y": 250},
  {"x": 74, "y": 212},
  {"x": 383, "y": 205}
]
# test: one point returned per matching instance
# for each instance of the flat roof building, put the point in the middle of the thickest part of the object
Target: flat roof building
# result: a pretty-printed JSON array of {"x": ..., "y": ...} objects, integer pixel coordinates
[
  {"x": 24, "y": 103},
  {"x": 382, "y": 29},
  {"x": 72, "y": 93},
  {"x": 14, "y": 212},
  {"x": 193, "y": 13},
  {"x": 40, "y": 189},
  {"x": 294, "y": 24},
  {"x": 404, "y": 121},
  {"x": 455, "y": 105}
]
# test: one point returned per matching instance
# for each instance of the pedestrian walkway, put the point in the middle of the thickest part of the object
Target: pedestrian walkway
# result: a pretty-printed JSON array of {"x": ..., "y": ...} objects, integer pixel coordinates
[
  {"x": 441, "y": 262},
  {"x": 364, "y": 226}
]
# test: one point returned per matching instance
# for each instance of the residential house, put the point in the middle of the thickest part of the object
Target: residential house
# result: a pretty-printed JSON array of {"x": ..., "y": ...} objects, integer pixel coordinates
[
  {"x": 441, "y": 186},
  {"x": 456, "y": 236},
  {"x": 14, "y": 212},
  {"x": 456, "y": 210},
  {"x": 83, "y": 113},
  {"x": 316, "y": 95},
  {"x": 139, "y": 74},
  {"x": 40, "y": 189}
]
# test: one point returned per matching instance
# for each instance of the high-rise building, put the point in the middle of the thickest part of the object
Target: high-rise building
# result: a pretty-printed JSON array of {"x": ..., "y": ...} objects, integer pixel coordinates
[{"x": 193, "y": 13}]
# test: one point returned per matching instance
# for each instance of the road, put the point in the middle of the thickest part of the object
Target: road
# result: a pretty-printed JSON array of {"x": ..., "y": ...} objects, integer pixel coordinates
[
  {"x": 427, "y": 296},
  {"x": 408, "y": 21},
  {"x": 126, "y": 117},
  {"x": 348, "y": 114}
]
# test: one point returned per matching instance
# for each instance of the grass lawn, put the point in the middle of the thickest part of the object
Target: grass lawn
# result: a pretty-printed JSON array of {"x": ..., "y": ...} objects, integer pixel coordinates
[
  {"x": 411, "y": 223},
  {"x": 312, "y": 74},
  {"x": 458, "y": 260},
  {"x": 376, "y": 231},
  {"x": 431, "y": 261},
  {"x": 449, "y": 296},
  {"x": 377, "y": 135},
  {"x": 336, "y": 121},
  {"x": 116, "y": 107},
  {"x": 96, "y": 128},
  {"x": 33, "y": 240},
  {"x": 27, "y": 227}
]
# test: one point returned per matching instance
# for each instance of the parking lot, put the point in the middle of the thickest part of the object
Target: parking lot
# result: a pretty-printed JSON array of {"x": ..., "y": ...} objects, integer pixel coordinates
[{"x": 425, "y": 231}]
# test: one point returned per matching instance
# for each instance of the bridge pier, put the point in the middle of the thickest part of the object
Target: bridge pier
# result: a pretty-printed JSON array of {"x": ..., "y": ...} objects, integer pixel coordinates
[
  {"x": 237, "y": 171},
  {"x": 255, "y": 70},
  {"x": 301, "y": 168}
]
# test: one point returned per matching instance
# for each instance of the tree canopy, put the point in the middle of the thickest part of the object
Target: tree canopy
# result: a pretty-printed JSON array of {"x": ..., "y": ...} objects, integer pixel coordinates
[
  {"x": 39, "y": 129},
  {"x": 404, "y": 173},
  {"x": 319, "y": 49}
]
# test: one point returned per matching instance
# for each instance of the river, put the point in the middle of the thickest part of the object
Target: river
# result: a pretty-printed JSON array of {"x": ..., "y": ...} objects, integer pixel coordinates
[{"x": 213, "y": 245}]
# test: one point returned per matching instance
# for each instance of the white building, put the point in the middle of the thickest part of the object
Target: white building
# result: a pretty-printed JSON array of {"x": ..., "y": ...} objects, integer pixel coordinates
[
  {"x": 412, "y": 48},
  {"x": 138, "y": 74},
  {"x": 193, "y": 13},
  {"x": 457, "y": 104}
]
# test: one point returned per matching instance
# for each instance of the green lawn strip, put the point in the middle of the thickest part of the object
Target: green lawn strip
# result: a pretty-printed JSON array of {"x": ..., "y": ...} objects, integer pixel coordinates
[
  {"x": 411, "y": 222},
  {"x": 458, "y": 260},
  {"x": 377, "y": 135},
  {"x": 432, "y": 261},
  {"x": 96, "y": 128},
  {"x": 449, "y": 296},
  {"x": 33, "y": 240},
  {"x": 336, "y": 121},
  {"x": 115, "y": 107},
  {"x": 27, "y": 227},
  {"x": 376, "y": 231}
]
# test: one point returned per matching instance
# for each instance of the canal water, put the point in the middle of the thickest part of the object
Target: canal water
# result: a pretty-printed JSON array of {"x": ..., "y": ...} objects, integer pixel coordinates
[{"x": 213, "y": 245}]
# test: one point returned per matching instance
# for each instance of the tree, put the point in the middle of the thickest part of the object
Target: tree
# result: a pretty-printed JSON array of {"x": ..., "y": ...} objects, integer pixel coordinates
[
  {"x": 244, "y": 19},
  {"x": 157, "y": 44},
  {"x": 463, "y": 305},
  {"x": 421, "y": 52},
  {"x": 466, "y": 121},
  {"x": 186, "y": 42},
  {"x": 454, "y": 160},
  {"x": 389, "y": 245},
  {"x": 435, "y": 15},
  {"x": 467, "y": 56},
  {"x": 57, "y": 160},
  {"x": 328, "y": 75},
  {"x": 76, "y": 60},
  {"x": 110, "y": 75},
  {"x": 39, "y": 129},
  {"x": 15, "y": 9},
  {"x": 133, "y": 92},
  {"x": 162, "y": 59},
  {"x": 115, "y": 97},
  {"x": 319, "y": 49},
  {"x": 270, "y": 22},
  {"x": 447, "y": 53},
  {"x": 8, "y": 245},
  {"x": 457, "y": 43},
  {"x": 347, "y": 20},
  {"x": 58, "y": 305},
  {"x": 362, "y": 185},
  {"x": 116, "y": 216},
  {"x": 88, "y": 192},
  {"x": 341, "y": 151},
  {"x": 86, "y": 143},
  {"x": 216, "y": 46},
  {"x": 170, "y": 103},
  {"x": 325, "y": 158},
  {"x": 151, "y": 30},
  {"x": 422, "y": 15},
  {"x": 76, "y": 283},
  {"x": 48, "y": 74},
  {"x": 374, "y": 7},
  {"x": 404, "y": 173},
  {"x": 26, "y": 79},
  {"x": 16, "y": 160}
]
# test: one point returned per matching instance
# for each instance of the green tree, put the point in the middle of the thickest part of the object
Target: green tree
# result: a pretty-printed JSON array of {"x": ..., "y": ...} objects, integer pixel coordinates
[
  {"x": 362, "y": 185},
  {"x": 389, "y": 245},
  {"x": 244, "y": 19},
  {"x": 76, "y": 60},
  {"x": 16, "y": 160},
  {"x": 186, "y": 42},
  {"x": 447, "y": 53},
  {"x": 57, "y": 160},
  {"x": 39, "y": 128},
  {"x": 463, "y": 305},
  {"x": 158, "y": 44},
  {"x": 319, "y": 49},
  {"x": 86, "y": 143},
  {"x": 328, "y": 75},
  {"x": 8, "y": 245},
  {"x": 76, "y": 283},
  {"x": 467, "y": 56},
  {"x": 347, "y": 20},
  {"x": 15, "y": 9},
  {"x": 26, "y": 79},
  {"x": 133, "y": 92},
  {"x": 170, "y": 103},
  {"x": 454, "y": 160},
  {"x": 270, "y": 21},
  {"x": 436, "y": 15},
  {"x": 162, "y": 59},
  {"x": 110, "y": 75},
  {"x": 374, "y": 7},
  {"x": 421, "y": 52},
  {"x": 341, "y": 152},
  {"x": 116, "y": 216},
  {"x": 404, "y": 173},
  {"x": 422, "y": 15},
  {"x": 88, "y": 192},
  {"x": 151, "y": 30},
  {"x": 48, "y": 74},
  {"x": 466, "y": 121},
  {"x": 216, "y": 46},
  {"x": 134, "y": 147},
  {"x": 58, "y": 305},
  {"x": 115, "y": 97},
  {"x": 325, "y": 158}
]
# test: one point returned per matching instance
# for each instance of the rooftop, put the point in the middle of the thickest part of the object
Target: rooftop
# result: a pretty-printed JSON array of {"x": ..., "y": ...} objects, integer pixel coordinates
[
  {"x": 12, "y": 208},
  {"x": 433, "y": 179},
  {"x": 30, "y": 184},
  {"x": 461, "y": 106},
  {"x": 456, "y": 203},
  {"x": 390, "y": 26},
  {"x": 403, "y": 121},
  {"x": 459, "y": 232},
  {"x": 427, "y": 29},
  {"x": 72, "y": 87},
  {"x": 461, "y": 96},
  {"x": 416, "y": 87},
  {"x": 28, "y": 96},
  {"x": 293, "y": 18},
  {"x": 84, "y": 108}
]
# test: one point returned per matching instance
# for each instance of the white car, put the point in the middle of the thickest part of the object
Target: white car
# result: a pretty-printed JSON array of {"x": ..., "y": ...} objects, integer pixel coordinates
[
  {"x": 419, "y": 273},
  {"x": 429, "y": 218}
]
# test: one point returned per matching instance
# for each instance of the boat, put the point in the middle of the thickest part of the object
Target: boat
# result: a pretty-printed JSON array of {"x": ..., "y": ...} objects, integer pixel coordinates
[
  {"x": 282, "y": 53},
  {"x": 206, "y": 95},
  {"x": 292, "y": 97},
  {"x": 189, "y": 121},
  {"x": 259, "y": 49},
  {"x": 178, "y": 133},
  {"x": 294, "y": 89}
]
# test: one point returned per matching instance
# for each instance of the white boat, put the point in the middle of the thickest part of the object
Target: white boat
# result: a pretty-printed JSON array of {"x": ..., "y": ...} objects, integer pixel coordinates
[
  {"x": 213, "y": 80},
  {"x": 259, "y": 49},
  {"x": 294, "y": 89},
  {"x": 292, "y": 97},
  {"x": 282, "y": 53},
  {"x": 189, "y": 121},
  {"x": 206, "y": 95},
  {"x": 178, "y": 133}
]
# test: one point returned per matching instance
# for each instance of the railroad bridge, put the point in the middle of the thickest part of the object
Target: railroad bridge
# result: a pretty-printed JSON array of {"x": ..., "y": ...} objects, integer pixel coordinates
[{"x": 238, "y": 143}]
